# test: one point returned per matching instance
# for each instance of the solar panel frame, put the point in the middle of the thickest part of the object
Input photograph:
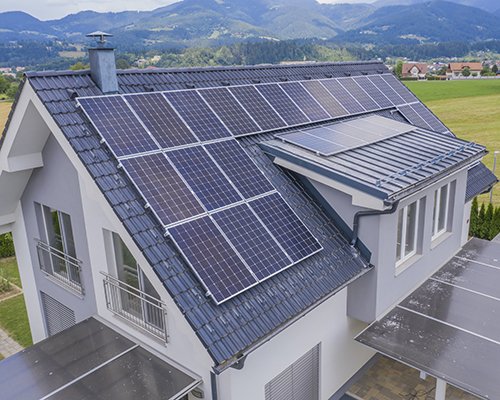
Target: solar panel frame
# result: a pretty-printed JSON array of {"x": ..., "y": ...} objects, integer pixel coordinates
[
  {"x": 387, "y": 89},
  {"x": 305, "y": 101},
  {"x": 212, "y": 258},
  {"x": 312, "y": 143},
  {"x": 117, "y": 116},
  {"x": 343, "y": 96},
  {"x": 434, "y": 123},
  {"x": 239, "y": 168},
  {"x": 361, "y": 96},
  {"x": 399, "y": 88},
  {"x": 373, "y": 91},
  {"x": 170, "y": 199},
  {"x": 287, "y": 235},
  {"x": 161, "y": 119},
  {"x": 412, "y": 116},
  {"x": 204, "y": 177},
  {"x": 325, "y": 98},
  {"x": 258, "y": 107},
  {"x": 260, "y": 251},
  {"x": 197, "y": 114},
  {"x": 230, "y": 111}
]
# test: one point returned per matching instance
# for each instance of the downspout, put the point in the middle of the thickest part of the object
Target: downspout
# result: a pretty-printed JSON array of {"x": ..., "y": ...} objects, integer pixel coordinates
[{"x": 365, "y": 213}]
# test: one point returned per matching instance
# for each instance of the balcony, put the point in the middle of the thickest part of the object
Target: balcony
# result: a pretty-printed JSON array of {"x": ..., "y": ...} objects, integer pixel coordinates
[
  {"x": 64, "y": 268},
  {"x": 143, "y": 311}
]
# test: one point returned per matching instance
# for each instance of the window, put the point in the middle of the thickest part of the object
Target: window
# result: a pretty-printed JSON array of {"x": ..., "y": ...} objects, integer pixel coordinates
[
  {"x": 137, "y": 295},
  {"x": 441, "y": 210},
  {"x": 56, "y": 248},
  {"x": 407, "y": 231}
]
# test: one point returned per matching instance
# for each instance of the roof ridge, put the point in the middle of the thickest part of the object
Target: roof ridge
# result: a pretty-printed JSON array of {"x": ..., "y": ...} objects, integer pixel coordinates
[{"x": 32, "y": 74}]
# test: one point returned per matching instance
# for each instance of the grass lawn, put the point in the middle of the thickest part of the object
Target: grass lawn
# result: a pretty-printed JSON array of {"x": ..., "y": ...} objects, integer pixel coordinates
[
  {"x": 14, "y": 320},
  {"x": 4, "y": 113},
  {"x": 470, "y": 109},
  {"x": 9, "y": 270}
]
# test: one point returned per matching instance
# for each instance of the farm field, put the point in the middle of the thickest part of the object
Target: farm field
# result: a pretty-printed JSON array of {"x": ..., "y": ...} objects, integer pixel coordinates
[
  {"x": 4, "y": 113},
  {"x": 470, "y": 109}
]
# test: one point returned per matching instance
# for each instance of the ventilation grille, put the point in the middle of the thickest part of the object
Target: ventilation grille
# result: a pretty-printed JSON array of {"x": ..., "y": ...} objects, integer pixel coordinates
[
  {"x": 300, "y": 381},
  {"x": 58, "y": 317}
]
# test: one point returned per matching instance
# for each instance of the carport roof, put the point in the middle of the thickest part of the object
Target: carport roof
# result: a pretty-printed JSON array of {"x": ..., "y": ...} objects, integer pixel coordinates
[
  {"x": 91, "y": 361},
  {"x": 449, "y": 326}
]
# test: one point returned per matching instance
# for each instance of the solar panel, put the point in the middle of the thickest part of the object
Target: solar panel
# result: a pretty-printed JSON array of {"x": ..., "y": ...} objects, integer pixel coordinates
[
  {"x": 116, "y": 123},
  {"x": 252, "y": 241},
  {"x": 434, "y": 123},
  {"x": 312, "y": 143},
  {"x": 286, "y": 227},
  {"x": 258, "y": 107},
  {"x": 305, "y": 101},
  {"x": 212, "y": 258},
  {"x": 413, "y": 117},
  {"x": 399, "y": 88},
  {"x": 162, "y": 188},
  {"x": 204, "y": 177},
  {"x": 342, "y": 96},
  {"x": 323, "y": 97},
  {"x": 197, "y": 115},
  {"x": 280, "y": 101},
  {"x": 361, "y": 96},
  {"x": 229, "y": 111},
  {"x": 343, "y": 139},
  {"x": 374, "y": 92},
  {"x": 160, "y": 119},
  {"x": 239, "y": 168},
  {"x": 385, "y": 88}
]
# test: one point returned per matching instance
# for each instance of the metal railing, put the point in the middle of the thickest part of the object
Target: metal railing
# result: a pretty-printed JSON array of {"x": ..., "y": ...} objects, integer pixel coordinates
[
  {"x": 61, "y": 266},
  {"x": 137, "y": 307}
]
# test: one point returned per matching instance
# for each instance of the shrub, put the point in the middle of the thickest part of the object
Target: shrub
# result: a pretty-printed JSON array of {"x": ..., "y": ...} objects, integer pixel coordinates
[
  {"x": 484, "y": 221},
  {"x": 6, "y": 246}
]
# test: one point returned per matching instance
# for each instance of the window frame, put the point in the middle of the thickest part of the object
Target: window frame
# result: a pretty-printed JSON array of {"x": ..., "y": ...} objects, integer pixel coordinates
[
  {"x": 436, "y": 211},
  {"x": 402, "y": 257}
]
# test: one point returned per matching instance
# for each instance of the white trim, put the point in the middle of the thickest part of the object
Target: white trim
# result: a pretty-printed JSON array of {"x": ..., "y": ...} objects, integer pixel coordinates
[
  {"x": 436, "y": 213},
  {"x": 402, "y": 257}
]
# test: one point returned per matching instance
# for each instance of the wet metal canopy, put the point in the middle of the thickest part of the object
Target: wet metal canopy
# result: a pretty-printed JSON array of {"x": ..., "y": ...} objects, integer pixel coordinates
[
  {"x": 449, "y": 327},
  {"x": 90, "y": 361}
]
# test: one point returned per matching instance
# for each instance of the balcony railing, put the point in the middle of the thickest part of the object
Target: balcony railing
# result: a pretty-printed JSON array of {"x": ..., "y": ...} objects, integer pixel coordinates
[
  {"x": 61, "y": 266},
  {"x": 137, "y": 307}
]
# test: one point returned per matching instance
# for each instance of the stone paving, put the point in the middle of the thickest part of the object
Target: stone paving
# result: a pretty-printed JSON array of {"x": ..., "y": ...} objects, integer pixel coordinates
[
  {"x": 8, "y": 346},
  {"x": 390, "y": 380}
]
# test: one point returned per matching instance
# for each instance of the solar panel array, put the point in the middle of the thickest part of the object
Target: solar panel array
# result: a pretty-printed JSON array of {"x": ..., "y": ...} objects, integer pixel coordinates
[
  {"x": 328, "y": 140},
  {"x": 179, "y": 149}
]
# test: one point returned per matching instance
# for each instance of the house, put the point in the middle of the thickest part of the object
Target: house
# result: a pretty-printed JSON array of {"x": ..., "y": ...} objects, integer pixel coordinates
[
  {"x": 222, "y": 233},
  {"x": 414, "y": 70},
  {"x": 455, "y": 70}
]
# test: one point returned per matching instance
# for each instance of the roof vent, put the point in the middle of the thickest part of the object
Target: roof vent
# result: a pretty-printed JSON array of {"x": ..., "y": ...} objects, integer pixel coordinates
[
  {"x": 102, "y": 63},
  {"x": 225, "y": 83},
  {"x": 256, "y": 81},
  {"x": 284, "y": 79},
  {"x": 329, "y": 76},
  {"x": 190, "y": 85},
  {"x": 347, "y": 73}
]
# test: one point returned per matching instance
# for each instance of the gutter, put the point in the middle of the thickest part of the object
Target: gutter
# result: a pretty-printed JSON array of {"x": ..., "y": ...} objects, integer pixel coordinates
[{"x": 366, "y": 213}]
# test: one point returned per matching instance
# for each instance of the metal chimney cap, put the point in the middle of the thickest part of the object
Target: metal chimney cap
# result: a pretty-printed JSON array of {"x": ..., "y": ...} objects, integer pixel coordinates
[{"x": 99, "y": 35}]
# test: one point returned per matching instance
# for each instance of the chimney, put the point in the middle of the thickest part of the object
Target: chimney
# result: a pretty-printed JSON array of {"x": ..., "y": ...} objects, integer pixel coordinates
[{"x": 102, "y": 64}]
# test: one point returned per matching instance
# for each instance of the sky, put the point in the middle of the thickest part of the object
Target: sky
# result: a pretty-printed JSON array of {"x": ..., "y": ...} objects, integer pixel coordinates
[{"x": 53, "y": 9}]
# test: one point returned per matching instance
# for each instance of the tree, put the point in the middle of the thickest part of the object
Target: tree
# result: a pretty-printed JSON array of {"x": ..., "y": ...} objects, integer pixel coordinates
[
  {"x": 473, "y": 227},
  {"x": 399, "y": 68},
  {"x": 494, "y": 68},
  {"x": 121, "y": 63},
  {"x": 4, "y": 84},
  {"x": 466, "y": 71},
  {"x": 485, "y": 71},
  {"x": 78, "y": 66},
  {"x": 481, "y": 221},
  {"x": 488, "y": 222},
  {"x": 11, "y": 92}
]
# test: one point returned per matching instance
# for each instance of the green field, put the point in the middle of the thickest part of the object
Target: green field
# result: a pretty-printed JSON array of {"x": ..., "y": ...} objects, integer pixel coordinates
[
  {"x": 14, "y": 320},
  {"x": 471, "y": 109},
  {"x": 9, "y": 270}
]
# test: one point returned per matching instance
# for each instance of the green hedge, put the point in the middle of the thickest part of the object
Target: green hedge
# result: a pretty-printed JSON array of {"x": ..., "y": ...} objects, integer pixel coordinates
[
  {"x": 6, "y": 246},
  {"x": 484, "y": 221}
]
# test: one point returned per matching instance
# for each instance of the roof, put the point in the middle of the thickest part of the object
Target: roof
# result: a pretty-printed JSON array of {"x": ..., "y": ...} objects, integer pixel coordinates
[
  {"x": 475, "y": 66},
  {"x": 449, "y": 326},
  {"x": 78, "y": 362},
  {"x": 479, "y": 180},
  {"x": 390, "y": 168},
  {"x": 230, "y": 329},
  {"x": 407, "y": 67}
]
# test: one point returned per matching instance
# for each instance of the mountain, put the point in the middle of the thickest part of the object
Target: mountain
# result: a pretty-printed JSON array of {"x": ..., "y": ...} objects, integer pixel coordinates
[
  {"x": 487, "y": 5},
  {"x": 207, "y": 22},
  {"x": 437, "y": 21}
]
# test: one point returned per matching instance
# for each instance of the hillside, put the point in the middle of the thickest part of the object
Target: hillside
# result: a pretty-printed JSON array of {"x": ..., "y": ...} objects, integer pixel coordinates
[
  {"x": 205, "y": 22},
  {"x": 487, "y": 5}
]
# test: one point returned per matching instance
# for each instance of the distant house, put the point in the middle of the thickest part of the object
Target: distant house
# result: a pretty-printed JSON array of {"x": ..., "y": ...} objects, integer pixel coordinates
[
  {"x": 225, "y": 233},
  {"x": 455, "y": 70},
  {"x": 414, "y": 70}
]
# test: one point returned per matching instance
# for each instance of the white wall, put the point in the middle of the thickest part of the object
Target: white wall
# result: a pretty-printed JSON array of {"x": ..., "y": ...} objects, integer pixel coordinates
[{"x": 341, "y": 356}]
